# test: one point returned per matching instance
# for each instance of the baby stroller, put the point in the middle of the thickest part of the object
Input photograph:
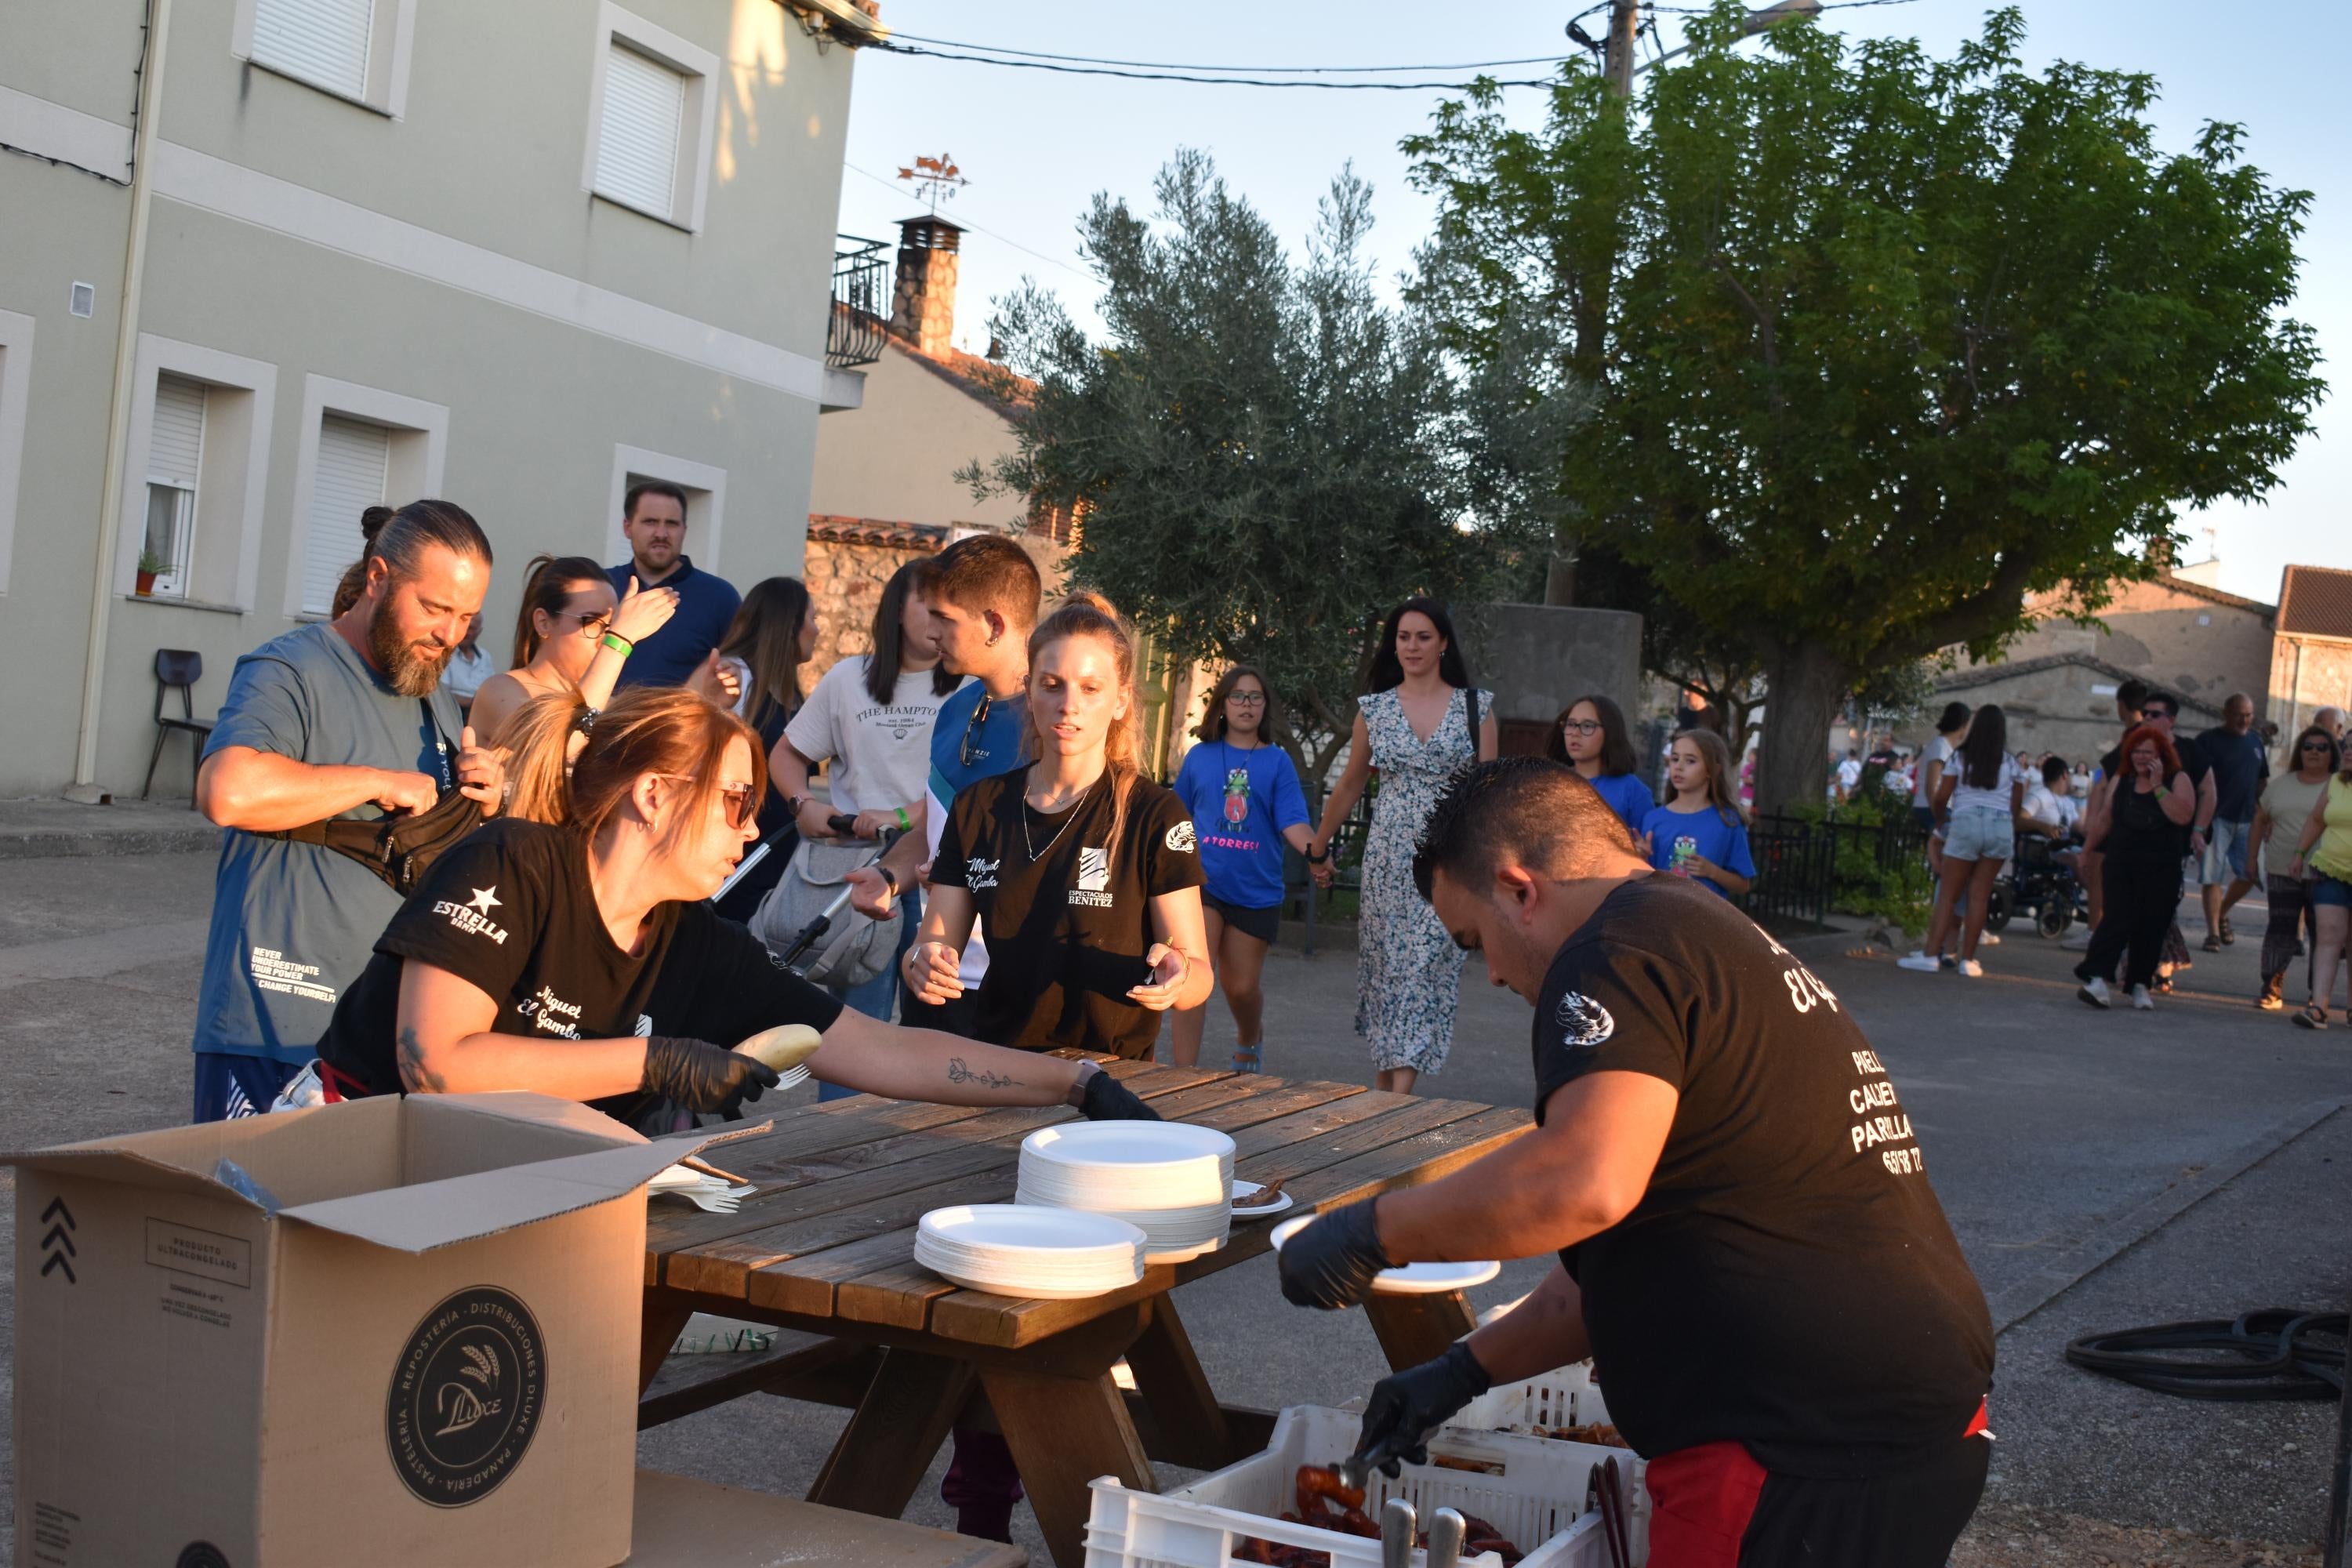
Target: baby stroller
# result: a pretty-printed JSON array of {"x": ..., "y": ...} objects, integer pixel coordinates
[{"x": 2044, "y": 886}]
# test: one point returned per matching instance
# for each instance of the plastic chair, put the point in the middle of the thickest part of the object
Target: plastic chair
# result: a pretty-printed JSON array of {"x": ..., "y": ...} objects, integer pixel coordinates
[{"x": 177, "y": 670}]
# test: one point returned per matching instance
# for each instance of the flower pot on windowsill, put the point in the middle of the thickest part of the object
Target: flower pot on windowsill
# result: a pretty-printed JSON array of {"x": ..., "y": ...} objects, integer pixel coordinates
[{"x": 144, "y": 585}]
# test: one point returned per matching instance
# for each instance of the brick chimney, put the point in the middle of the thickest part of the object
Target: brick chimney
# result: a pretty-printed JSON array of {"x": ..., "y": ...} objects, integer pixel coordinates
[{"x": 922, "y": 304}]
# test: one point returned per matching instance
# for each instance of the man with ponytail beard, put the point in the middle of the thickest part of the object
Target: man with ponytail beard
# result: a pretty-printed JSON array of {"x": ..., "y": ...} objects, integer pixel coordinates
[{"x": 341, "y": 719}]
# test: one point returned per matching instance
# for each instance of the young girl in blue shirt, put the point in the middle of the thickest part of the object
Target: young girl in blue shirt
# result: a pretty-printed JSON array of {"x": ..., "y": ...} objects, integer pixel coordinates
[
  {"x": 1247, "y": 803},
  {"x": 1701, "y": 832},
  {"x": 1589, "y": 736}
]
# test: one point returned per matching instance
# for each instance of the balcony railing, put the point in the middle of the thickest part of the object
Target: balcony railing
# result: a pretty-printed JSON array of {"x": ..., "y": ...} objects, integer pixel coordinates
[{"x": 861, "y": 303}]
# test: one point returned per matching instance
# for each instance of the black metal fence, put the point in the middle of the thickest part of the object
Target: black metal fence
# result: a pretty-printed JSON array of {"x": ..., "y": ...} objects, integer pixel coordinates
[
  {"x": 861, "y": 303},
  {"x": 1802, "y": 866}
]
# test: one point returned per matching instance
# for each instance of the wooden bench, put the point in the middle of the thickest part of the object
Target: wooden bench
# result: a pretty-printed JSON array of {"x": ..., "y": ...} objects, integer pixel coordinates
[
  {"x": 688, "y": 1383},
  {"x": 683, "y": 1523}
]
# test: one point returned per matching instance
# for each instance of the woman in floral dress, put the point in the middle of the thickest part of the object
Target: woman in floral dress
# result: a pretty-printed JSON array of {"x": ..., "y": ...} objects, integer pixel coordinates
[{"x": 1415, "y": 726}]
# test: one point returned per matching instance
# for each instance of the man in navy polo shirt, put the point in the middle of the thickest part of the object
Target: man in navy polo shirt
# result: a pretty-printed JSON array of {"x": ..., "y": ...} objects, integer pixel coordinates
[{"x": 653, "y": 519}]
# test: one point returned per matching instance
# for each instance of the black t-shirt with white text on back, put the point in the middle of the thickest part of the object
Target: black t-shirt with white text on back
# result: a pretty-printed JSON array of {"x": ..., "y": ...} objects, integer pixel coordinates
[
  {"x": 1789, "y": 1280},
  {"x": 1065, "y": 908},
  {"x": 510, "y": 911}
]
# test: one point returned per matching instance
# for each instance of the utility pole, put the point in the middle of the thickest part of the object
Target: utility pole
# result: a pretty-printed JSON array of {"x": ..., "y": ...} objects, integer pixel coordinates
[{"x": 1617, "y": 63}]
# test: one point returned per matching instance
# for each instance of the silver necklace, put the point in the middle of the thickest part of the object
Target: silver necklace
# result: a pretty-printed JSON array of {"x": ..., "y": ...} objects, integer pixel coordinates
[{"x": 1058, "y": 831}]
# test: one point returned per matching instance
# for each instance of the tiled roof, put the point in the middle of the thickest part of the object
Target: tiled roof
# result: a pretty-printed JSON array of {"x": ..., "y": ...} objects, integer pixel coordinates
[
  {"x": 825, "y": 528},
  {"x": 2201, "y": 590},
  {"x": 2315, "y": 602},
  {"x": 983, "y": 378},
  {"x": 1988, "y": 674}
]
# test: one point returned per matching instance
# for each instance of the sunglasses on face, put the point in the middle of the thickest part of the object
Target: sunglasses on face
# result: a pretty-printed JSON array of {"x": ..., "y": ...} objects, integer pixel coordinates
[
  {"x": 2320, "y": 746},
  {"x": 736, "y": 798}
]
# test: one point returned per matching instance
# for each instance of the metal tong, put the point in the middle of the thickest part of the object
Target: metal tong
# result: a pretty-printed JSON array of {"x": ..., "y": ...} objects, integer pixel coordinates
[
  {"x": 1615, "y": 1527},
  {"x": 1398, "y": 1536}
]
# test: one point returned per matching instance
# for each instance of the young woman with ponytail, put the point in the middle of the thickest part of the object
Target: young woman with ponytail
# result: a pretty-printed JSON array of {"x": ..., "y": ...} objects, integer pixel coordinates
[
  {"x": 1086, "y": 875},
  {"x": 570, "y": 635},
  {"x": 576, "y": 955}
]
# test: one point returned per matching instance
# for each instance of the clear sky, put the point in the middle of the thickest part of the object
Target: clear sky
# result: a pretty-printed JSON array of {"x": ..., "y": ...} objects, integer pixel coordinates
[{"x": 1038, "y": 145}]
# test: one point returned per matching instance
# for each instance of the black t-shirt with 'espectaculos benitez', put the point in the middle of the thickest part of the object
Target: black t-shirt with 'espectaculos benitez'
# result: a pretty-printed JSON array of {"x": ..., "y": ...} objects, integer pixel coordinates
[
  {"x": 1789, "y": 1280},
  {"x": 1065, "y": 901}
]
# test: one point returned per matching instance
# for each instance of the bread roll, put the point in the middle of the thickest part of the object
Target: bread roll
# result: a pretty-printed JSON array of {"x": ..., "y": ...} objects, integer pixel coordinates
[{"x": 783, "y": 1048}]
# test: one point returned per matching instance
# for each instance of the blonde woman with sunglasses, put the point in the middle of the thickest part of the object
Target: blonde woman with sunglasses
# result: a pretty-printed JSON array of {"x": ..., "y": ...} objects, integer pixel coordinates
[{"x": 580, "y": 958}]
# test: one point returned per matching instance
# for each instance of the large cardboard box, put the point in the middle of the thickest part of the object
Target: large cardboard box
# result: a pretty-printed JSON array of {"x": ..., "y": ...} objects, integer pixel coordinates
[{"x": 390, "y": 1332}]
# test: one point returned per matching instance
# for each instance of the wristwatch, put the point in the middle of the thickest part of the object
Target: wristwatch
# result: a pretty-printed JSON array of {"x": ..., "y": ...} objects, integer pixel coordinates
[{"x": 1313, "y": 859}]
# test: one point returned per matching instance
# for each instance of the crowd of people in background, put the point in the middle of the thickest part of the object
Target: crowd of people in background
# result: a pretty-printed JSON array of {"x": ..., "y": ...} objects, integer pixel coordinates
[{"x": 391, "y": 710}]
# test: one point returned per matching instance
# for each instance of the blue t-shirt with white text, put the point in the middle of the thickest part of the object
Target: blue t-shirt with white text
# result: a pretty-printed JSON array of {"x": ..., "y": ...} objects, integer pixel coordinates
[
  {"x": 1240, "y": 800},
  {"x": 1678, "y": 834}
]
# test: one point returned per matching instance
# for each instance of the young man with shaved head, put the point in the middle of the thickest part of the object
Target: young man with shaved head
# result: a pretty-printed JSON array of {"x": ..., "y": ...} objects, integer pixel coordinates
[{"x": 1748, "y": 1247}]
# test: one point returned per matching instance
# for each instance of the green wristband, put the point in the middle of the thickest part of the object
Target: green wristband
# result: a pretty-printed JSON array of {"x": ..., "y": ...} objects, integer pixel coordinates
[
  {"x": 618, "y": 644},
  {"x": 904, "y": 825}
]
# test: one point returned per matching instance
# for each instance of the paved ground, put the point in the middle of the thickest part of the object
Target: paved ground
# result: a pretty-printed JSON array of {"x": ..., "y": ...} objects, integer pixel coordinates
[{"x": 2103, "y": 1170}]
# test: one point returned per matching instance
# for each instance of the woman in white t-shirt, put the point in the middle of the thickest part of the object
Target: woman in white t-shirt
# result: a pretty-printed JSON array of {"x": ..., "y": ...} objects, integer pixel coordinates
[
  {"x": 871, "y": 718},
  {"x": 1978, "y": 796}
]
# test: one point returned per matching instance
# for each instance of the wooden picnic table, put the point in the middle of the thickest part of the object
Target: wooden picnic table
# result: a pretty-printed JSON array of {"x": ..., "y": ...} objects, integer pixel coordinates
[{"x": 825, "y": 1247}]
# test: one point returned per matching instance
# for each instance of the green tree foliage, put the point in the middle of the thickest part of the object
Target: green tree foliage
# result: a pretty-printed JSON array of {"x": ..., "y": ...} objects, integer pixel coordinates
[
  {"x": 1881, "y": 343},
  {"x": 1267, "y": 459}
]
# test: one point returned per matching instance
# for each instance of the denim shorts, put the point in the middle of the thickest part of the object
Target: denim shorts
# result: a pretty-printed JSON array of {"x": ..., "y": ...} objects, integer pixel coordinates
[
  {"x": 2225, "y": 852},
  {"x": 2334, "y": 890},
  {"x": 1980, "y": 833}
]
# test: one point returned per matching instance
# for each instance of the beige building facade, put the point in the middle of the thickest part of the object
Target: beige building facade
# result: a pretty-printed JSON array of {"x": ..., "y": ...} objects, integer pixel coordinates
[
  {"x": 2311, "y": 660},
  {"x": 335, "y": 253}
]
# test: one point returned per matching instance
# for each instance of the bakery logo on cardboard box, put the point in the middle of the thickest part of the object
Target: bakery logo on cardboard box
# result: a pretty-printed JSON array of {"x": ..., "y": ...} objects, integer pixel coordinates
[{"x": 468, "y": 1393}]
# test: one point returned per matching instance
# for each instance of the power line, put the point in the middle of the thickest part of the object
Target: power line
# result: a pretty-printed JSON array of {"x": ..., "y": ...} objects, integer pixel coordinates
[
  {"x": 960, "y": 221},
  {"x": 1263, "y": 70},
  {"x": 898, "y": 49}
]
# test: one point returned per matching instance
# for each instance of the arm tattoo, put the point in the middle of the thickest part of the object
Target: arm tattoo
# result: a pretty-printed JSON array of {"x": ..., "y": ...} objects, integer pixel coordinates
[
  {"x": 958, "y": 1072},
  {"x": 415, "y": 1076}
]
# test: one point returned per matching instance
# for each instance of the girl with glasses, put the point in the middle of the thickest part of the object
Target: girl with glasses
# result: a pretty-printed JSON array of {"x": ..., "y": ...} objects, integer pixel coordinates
[
  {"x": 581, "y": 958},
  {"x": 2286, "y": 805},
  {"x": 1243, "y": 794},
  {"x": 1589, "y": 736},
  {"x": 570, "y": 635}
]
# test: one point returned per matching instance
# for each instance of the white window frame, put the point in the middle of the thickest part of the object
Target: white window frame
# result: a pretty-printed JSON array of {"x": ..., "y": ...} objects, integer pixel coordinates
[
  {"x": 690, "y": 190},
  {"x": 15, "y": 384},
  {"x": 234, "y": 494},
  {"x": 420, "y": 446},
  {"x": 705, "y": 510},
  {"x": 390, "y": 48}
]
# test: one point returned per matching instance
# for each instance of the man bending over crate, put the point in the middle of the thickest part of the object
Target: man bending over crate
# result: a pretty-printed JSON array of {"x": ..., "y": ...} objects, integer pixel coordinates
[{"x": 1748, "y": 1247}]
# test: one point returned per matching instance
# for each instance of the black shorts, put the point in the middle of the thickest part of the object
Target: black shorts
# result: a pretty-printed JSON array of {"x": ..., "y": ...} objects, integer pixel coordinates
[{"x": 1265, "y": 924}]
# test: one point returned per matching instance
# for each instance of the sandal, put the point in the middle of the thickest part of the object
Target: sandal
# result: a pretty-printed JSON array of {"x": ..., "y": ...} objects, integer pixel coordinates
[
  {"x": 2315, "y": 1017},
  {"x": 1247, "y": 1058},
  {"x": 2227, "y": 935}
]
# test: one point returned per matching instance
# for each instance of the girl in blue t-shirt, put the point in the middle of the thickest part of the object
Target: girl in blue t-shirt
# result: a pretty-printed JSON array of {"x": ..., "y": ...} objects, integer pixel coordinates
[
  {"x": 1589, "y": 736},
  {"x": 1701, "y": 832},
  {"x": 1245, "y": 802}
]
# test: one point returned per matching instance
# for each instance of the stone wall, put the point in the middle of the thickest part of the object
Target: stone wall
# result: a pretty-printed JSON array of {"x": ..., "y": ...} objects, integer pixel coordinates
[
  {"x": 2306, "y": 674},
  {"x": 847, "y": 569},
  {"x": 1536, "y": 658},
  {"x": 2069, "y": 708}
]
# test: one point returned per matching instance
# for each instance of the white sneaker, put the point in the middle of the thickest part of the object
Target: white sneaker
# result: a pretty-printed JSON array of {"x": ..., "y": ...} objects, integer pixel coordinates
[
  {"x": 1989, "y": 939},
  {"x": 2077, "y": 941},
  {"x": 2094, "y": 992},
  {"x": 2141, "y": 1001},
  {"x": 1970, "y": 968},
  {"x": 1920, "y": 962}
]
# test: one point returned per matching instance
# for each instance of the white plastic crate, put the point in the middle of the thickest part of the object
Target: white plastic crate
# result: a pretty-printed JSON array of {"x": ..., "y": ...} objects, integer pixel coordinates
[
  {"x": 1565, "y": 1397},
  {"x": 1537, "y": 1500}
]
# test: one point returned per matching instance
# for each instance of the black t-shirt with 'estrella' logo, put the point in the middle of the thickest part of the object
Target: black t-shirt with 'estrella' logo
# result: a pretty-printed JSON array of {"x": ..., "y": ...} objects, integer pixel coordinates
[
  {"x": 510, "y": 911},
  {"x": 1789, "y": 1280},
  {"x": 1067, "y": 932}
]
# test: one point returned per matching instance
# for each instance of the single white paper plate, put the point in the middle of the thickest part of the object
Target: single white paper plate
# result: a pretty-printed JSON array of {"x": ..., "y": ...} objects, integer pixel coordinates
[
  {"x": 1246, "y": 1189},
  {"x": 1413, "y": 1278}
]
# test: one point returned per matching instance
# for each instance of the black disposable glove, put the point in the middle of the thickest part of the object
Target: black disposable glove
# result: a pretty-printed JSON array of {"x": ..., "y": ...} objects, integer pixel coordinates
[
  {"x": 702, "y": 1077},
  {"x": 1407, "y": 1407},
  {"x": 1104, "y": 1098},
  {"x": 1331, "y": 1262}
]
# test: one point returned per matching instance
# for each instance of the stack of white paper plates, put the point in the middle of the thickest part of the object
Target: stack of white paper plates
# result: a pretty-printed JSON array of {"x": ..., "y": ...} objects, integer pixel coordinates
[
  {"x": 1171, "y": 1181},
  {"x": 1008, "y": 1249}
]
